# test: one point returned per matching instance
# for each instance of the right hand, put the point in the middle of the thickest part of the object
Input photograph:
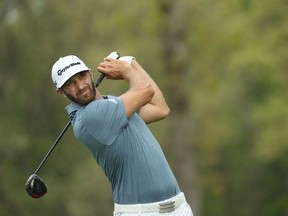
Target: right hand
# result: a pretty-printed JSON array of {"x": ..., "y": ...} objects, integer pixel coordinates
[{"x": 115, "y": 69}]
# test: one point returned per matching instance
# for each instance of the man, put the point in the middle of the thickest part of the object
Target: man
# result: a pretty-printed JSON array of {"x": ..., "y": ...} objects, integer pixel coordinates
[{"x": 114, "y": 130}]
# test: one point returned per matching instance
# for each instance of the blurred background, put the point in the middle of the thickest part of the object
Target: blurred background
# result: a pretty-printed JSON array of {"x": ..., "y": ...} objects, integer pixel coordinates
[{"x": 222, "y": 66}]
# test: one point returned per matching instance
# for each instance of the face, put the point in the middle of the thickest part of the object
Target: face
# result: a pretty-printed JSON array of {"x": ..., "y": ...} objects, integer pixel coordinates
[{"x": 79, "y": 88}]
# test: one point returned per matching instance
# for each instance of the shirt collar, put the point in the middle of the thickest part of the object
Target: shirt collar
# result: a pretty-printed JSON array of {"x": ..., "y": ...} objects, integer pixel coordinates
[{"x": 73, "y": 107}]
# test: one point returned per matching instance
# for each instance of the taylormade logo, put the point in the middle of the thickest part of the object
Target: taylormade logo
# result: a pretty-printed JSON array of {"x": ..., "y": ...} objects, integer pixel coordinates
[{"x": 59, "y": 72}]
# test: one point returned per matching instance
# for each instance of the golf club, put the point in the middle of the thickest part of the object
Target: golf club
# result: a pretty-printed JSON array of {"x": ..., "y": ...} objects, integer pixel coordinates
[{"x": 35, "y": 186}]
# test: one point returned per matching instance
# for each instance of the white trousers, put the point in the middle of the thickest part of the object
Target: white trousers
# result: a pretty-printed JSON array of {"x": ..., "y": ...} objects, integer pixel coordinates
[{"x": 183, "y": 210}]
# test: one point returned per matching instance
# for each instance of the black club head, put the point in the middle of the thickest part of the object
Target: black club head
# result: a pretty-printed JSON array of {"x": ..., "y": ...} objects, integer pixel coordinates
[{"x": 35, "y": 187}]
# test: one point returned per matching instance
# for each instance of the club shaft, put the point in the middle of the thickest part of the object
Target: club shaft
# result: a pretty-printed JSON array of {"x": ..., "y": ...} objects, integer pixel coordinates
[
  {"x": 97, "y": 83},
  {"x": 53, "y": 146}
]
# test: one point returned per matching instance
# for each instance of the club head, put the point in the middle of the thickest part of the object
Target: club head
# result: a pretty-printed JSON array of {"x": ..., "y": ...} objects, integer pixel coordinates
[{"x": 35, "y": 187}]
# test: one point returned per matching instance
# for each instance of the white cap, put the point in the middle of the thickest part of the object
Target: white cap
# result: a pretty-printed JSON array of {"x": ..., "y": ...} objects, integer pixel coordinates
[{"x": 65, "y": 68}]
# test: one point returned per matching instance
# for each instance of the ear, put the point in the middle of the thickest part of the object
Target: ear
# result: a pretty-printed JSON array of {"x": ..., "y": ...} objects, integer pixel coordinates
[
  {"x": 91, "y": 73},
  {"x": 61, "y": 92}
]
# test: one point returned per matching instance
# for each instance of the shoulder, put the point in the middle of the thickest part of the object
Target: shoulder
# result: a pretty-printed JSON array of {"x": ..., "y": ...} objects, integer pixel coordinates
[
  {"x": 102, "y": 108},
  {"x": 73, "y": 107}
]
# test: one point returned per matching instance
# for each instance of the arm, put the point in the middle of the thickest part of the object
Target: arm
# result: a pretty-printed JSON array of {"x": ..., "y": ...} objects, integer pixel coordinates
[
  {"x": 140, "y": 90},
  {"x": 157, "y": 107}
]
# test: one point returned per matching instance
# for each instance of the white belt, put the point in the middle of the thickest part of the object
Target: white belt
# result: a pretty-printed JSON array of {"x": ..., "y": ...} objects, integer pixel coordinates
[{"x": 162, "y": 207}]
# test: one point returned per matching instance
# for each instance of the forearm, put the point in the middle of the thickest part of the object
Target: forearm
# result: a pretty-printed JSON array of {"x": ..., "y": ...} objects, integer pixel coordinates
[
  {"x": 140, "y": 90},
  {"x": 158, "y": 98},
  {"x": 137, "y": 78},
  {"x": 157, "y": 108}
]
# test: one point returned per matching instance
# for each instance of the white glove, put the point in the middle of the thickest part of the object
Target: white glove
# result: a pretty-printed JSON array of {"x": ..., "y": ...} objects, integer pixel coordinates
[{"x": 127, "y": 59}]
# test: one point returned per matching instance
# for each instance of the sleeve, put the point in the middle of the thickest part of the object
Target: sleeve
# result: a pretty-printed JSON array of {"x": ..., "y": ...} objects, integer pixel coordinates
[{"x": 105, "y": 119}]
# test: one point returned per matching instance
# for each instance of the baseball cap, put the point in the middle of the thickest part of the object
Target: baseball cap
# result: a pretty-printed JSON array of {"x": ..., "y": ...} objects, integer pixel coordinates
[{"x": 65, "y": 68}]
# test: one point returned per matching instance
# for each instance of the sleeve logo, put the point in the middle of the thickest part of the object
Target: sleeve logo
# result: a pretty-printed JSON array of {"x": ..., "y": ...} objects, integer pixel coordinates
[{"x": 113, "y": 100}]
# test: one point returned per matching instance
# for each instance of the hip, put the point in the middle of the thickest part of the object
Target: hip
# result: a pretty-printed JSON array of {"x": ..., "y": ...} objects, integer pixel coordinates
[{"x": 174, "y": 206}]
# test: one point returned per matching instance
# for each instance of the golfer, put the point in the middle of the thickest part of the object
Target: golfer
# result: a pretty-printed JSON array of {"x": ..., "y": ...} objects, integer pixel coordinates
[{"x": 114, "y": 130}]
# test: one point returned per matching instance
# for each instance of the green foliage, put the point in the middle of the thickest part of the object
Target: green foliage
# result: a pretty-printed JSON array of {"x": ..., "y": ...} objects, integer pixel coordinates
[{"x": 222, "y": 66}]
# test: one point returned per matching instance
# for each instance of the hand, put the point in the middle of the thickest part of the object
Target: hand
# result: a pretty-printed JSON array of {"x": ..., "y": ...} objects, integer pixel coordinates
[{"x": 115, "y": 69}]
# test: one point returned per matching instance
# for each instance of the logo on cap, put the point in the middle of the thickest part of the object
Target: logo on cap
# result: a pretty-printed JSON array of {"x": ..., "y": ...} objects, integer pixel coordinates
[{"x": 59, "y": 72}]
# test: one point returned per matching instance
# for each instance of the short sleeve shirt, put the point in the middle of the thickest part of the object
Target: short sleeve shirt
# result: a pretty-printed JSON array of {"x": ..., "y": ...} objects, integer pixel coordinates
[{"x": 126, "y": 150}]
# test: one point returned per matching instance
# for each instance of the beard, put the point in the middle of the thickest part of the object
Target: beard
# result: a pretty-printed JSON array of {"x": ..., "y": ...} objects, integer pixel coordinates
[{"x": 90, "y": 95}]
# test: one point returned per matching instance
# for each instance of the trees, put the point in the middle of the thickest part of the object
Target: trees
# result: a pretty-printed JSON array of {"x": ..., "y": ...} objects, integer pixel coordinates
[{"x": 221, "y": 65}]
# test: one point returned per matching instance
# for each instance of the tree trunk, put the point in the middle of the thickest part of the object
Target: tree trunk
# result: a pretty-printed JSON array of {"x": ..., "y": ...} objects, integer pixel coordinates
[{"x": 176, "y": 66}]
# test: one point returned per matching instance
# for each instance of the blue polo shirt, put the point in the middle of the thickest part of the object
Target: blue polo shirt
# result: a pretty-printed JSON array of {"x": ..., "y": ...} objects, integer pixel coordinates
[{"x": 126, "y": 150}]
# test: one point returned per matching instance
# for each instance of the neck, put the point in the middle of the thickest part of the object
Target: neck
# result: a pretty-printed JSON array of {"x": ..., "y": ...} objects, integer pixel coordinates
[{"x": 98, "y": 95}]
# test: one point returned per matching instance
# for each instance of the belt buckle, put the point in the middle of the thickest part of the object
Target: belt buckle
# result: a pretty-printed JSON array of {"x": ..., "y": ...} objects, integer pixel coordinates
[{"x": 165, "y": 207}]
